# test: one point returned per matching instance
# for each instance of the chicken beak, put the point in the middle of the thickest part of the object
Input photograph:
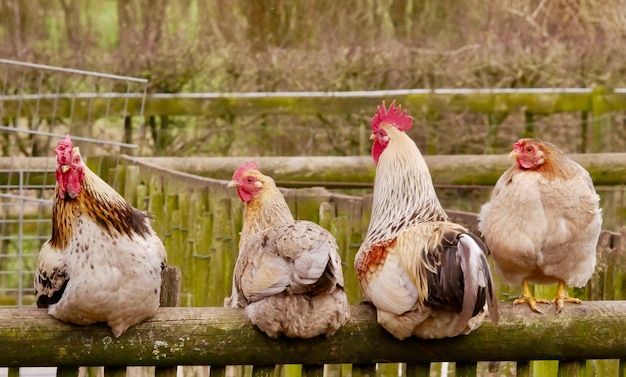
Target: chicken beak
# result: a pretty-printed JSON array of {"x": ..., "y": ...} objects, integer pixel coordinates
[
  {"x": 513, "y": 154},
  {"x": 372, "y": 137},
  {"x": 65, "y": 168},
  {"x": 233, "y": 183}
]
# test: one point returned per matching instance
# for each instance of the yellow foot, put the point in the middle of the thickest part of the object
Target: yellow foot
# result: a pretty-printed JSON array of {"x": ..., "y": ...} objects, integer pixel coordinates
[
  {"x": 532, "y": 302},
  {"x": 562, "y": 297},
  {"x": 527, "y": 298}
]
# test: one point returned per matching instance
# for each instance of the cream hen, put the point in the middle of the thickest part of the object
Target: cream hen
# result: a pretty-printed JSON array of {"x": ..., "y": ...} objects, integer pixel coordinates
[{"x": 542, "y": 222}]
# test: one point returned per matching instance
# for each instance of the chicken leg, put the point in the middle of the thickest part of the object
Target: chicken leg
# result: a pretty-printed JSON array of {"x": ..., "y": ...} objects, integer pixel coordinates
[
  {"x": 562, "y": 297},
  {"x": 527, "y": 298}
]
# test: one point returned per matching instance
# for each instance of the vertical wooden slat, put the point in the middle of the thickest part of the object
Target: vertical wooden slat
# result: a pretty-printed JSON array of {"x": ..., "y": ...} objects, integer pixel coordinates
[
  {"x": 131, "y": 182},
  {"x": 364, "y": 370},
  {"x": 219, "y": 285},
  {"x": 495, "y": 368},
  {"x": 180, "y": 231},
  {"x": 198, "y": 243},
  {"x": 170, "y": 287},
  {"x": 418, "y": 370},
  {"x": 312, "y": 370},
  {"x": 263, "y": 371},
  {"x": 337, "y": 370},
  {"x": 217, "y": 371},
  {"x": 387, "y": 369},
  {"x": 114, "y": 371},
  {"x": 290, "y": 370},
  {"x": 308, "y": 202},
  {"x": 571, "y": 368},
  {"x": 165, "y": 372},
  {"x": 601, "y": 123},
  {"x": 67, "y": 371},
  {"x": 584, "y": 130},
  {"x": 622, "y": 368},
  {"x": 466, "y": 369},
  {"x": 170, "y": 297},
  {"x": 13, "y": 372},
  {"x": 156, "y": 205},
  {"x": 142, "y": 197},
  {"x": 119, "y": 180}
]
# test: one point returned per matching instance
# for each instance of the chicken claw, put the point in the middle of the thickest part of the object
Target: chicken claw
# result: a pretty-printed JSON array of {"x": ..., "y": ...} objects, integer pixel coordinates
[
  {"x": 527, "y": 298},
  {"x": 562, "y": 297}
]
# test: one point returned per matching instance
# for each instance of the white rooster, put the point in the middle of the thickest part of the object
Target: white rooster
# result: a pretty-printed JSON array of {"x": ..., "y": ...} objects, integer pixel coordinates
[{"x": 425, "y": 275}]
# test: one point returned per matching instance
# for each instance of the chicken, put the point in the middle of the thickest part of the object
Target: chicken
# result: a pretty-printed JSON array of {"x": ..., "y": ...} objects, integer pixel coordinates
[
  {"x": 426, "y": 275},
  {"x": 103, "y": 262},
  {"x": 288, "y": 275},
  {"x": 542, "y": 222}
]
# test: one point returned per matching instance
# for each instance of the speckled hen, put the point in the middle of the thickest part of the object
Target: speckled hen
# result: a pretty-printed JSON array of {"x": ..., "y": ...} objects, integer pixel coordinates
[
  {"x": 103, "y": 262},
  {"x": 288, "y": 275},
  {"x": 426, "y": 275}
]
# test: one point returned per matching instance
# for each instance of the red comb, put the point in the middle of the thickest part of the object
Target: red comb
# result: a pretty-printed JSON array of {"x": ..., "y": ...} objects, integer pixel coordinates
[
  {"x": 244, "y": 168},
  {"x": 519, "y": 144},
  {"x": 63, "y": 150},
  {"x": 65, "y": 143},
  {"x": 394, "y": 116}
]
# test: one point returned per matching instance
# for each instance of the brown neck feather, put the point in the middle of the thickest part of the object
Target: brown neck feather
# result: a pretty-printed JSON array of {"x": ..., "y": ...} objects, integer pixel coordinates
[{"x": 103, "y": 205}]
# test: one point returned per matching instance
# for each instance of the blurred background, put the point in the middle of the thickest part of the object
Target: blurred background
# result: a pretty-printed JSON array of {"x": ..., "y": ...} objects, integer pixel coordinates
[{"x": 353, "y": 45}]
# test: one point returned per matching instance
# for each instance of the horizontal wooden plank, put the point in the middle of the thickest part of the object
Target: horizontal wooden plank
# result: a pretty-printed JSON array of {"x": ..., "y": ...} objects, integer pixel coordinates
[
  {"x": 95, "y": 105},
  {"x": 222, "y": 336},
  {"x": 359, "y": 171},
  {"x": 334, "y": 171},
  {"x": 355, "y": 171}
]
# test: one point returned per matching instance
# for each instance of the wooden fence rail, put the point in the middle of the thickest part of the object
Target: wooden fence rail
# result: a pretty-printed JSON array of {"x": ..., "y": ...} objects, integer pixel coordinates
[
  {"x": 606, "y": 169},
  {"x": 536, "y": 100},
  {"x": 593, "y": 103},
  {"x": 223, "y": 336}
]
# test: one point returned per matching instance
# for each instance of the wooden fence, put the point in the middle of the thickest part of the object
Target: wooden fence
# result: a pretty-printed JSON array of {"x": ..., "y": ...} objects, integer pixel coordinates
[
  {"x": 199, "y": 220},
  {"x": 593, "y": 104}
]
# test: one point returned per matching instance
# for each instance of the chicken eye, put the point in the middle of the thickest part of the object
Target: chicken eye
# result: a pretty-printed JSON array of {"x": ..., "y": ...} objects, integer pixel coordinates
[
  {"x": 530, "y": 149},
  {"x": 250, "y": 180}
]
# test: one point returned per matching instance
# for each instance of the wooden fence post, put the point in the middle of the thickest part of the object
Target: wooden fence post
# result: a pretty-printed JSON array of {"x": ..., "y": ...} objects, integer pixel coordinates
[
  {"x": 600, "y": 120},
  {"x": 170, "y": 297}
]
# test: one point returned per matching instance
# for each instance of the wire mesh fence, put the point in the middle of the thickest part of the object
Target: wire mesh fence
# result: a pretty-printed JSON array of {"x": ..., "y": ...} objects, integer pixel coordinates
[{"x": 29, "y": 131}]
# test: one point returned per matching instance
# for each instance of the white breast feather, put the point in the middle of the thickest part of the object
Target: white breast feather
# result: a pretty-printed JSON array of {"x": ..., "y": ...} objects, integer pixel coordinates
[{"x": 390, "y": 288}]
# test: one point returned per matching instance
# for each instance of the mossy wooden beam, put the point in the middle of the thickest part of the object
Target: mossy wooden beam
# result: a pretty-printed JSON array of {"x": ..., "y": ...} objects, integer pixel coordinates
[
  {"x": 93, "y": 105},
  {"x": 351, "y": 171},
  {"x": 359, "y": 171},
  {"x": 223, "y": 336}
]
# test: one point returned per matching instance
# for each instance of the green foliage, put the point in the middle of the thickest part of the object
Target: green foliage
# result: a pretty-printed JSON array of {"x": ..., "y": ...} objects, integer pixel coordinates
[{"x": 270, "y": 45}]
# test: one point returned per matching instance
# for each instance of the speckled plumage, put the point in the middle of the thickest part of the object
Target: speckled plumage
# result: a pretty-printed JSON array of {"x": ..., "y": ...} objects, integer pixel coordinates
[
  {"x": 543, "y": 220},
  {"x": 425, "y": 275},
  {"x": 103, "y": 262},
  {"x": 288, "y": 275}
]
